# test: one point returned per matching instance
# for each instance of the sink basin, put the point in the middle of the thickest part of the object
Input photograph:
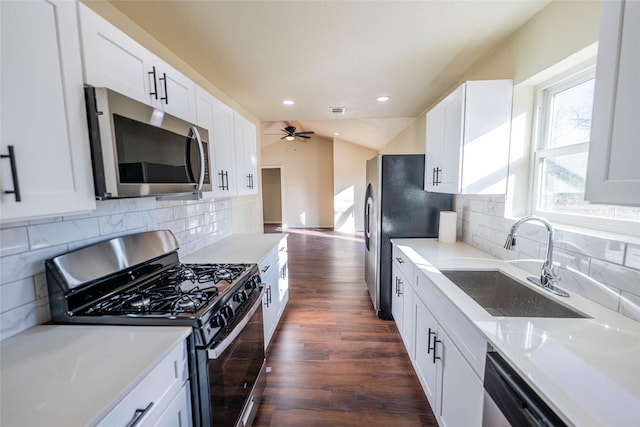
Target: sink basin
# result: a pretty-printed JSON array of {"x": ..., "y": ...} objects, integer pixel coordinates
[{"x": 500, "y": 295}]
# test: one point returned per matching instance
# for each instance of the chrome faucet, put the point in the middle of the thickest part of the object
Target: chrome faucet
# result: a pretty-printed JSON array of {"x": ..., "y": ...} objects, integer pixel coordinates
[{"x": 548, "y": 277}]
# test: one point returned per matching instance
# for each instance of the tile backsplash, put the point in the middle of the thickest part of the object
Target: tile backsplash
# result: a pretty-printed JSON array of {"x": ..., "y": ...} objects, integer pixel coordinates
[
  {"x": 604, "y": 270},
  {"x": 25, "y": 245}
]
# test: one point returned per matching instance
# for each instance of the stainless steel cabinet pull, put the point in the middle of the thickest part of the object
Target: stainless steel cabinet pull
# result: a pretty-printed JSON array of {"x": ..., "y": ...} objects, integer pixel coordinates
[
  {"x": 14, "y": 173},
  {"x": 152, "y": 73},
  {"x": 400, "y": 283},
  {"x": 164, "y": 98},
  {"x": 138, "y": 414},
  {"x": 400, "y": 260}
]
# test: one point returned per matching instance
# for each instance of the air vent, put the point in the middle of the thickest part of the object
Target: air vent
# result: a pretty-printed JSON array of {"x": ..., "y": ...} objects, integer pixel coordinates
[{"x": 338, "y": 111}]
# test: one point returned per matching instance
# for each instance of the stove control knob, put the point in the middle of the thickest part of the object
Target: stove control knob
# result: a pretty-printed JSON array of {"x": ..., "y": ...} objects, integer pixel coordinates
[
  {"x": 227, "y": 312},
  {"x": 218, "y": 321},
  {"x": 240, "y": 296}
]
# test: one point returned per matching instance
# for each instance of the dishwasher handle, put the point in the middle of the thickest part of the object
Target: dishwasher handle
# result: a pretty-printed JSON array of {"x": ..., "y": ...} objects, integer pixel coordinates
[{"x": 517, "y": 401}]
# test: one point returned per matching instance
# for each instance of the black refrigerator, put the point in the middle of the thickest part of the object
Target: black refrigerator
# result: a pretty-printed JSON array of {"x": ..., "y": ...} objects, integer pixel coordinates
[{"x": 396, "y": 206}]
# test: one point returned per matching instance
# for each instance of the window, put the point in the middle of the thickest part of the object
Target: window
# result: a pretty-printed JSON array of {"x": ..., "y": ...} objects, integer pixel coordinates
[{"x": 561, "y": 153}]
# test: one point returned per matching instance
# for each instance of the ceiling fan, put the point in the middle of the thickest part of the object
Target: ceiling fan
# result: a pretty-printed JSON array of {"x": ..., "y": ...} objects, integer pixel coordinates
[{"x": 290, "y": 133}]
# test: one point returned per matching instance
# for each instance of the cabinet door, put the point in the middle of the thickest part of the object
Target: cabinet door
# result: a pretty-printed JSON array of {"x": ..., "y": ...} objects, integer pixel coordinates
[
  {"x": 271, "y": 303},
  {"x": 434, "y": 148},
  {"x": 114, "y": 60},
  {"x": 408, "y": 316},
  {"x": 217, "y": 118},
  {"x": 424, "y": 363},
  {"x": 452, "y": 112},
  {"x": 176, "y": 92},
  {"x": 246, "y": 157},
  {"x": 397, "y": 298},
  {"x": 461, "y": 388},
  {"x": 43, "y": 113},
  {"x": 178, "y": 413},
  {"x": 613, "y": 175}
]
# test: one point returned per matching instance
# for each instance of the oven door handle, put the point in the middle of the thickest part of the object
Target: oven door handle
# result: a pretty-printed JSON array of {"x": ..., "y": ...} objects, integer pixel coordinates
[{"x": 217, "y": 351}]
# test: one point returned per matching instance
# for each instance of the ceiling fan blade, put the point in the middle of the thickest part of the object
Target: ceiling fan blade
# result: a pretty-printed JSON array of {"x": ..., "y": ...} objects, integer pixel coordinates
[
  {"x": 309, "y": 132},
  {"x": 284, "y": 137},
  {"x": 303, "y": 136}
]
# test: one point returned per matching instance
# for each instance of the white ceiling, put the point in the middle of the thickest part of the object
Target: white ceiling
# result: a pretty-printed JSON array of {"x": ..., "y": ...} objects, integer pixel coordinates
[{"x": 325, "y": 54}]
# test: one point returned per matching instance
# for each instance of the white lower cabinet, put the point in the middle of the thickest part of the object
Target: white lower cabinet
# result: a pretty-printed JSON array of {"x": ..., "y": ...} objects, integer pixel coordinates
[
  {"x": 275, "y": 276},
  {"x": 445, "y": 348},
  {"x": 453, "y": 388},
  {"x": 162, "y": 398},
  {"x": 402, "y": 306}
]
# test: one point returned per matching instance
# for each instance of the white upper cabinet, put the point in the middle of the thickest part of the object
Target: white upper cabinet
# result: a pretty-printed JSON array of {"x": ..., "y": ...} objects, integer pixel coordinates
[
  {"x": 43, "y": 116},
  {"x": 613, "y": 175},
  {"x": 113, "y": 59},
  {"x": 217, "y": 118},
  {"x": 467, "y": 139},
  {"x": 246, "y": 155}
]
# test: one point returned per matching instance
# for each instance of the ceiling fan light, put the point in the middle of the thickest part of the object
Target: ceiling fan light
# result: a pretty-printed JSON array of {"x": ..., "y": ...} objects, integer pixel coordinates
[
  {"x": 382, "y": 98},
  {"x": 290, "y": 138},
  {"x": 288, "y": 102}
]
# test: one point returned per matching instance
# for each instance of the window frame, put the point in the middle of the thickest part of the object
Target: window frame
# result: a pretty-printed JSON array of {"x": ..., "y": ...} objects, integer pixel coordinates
[{"x": 544, "y": 93}]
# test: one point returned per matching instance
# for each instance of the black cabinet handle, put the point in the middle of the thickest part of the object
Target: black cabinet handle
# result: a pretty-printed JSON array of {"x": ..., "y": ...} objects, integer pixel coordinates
[
  {"x": 438, "y": 177},
  {"x": 429, "y": 348},
  {"x": 400, "y": 260},
  {"x": 152, "y": 73},
  {"x": 226, "y": 181},
  {"x": 138, "y": 414},
  {"x": 14, "y": 173},
  {"x": 400, "y": 283},
  {"x": 435, "y": 342},
  {"x": 250, "y": 181},
  {"x": 164, "y": 98},
  {"x": 264, "y": 270},
  {"x": 433, "y": 176}
]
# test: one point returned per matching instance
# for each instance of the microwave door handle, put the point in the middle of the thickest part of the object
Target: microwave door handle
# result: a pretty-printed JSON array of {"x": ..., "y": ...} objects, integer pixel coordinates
[{"x": 196, "y": 135}]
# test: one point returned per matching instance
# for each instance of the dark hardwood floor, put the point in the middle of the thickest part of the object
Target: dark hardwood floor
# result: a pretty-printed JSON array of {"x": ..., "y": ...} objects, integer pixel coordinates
[{"x": 333, "y": 363}]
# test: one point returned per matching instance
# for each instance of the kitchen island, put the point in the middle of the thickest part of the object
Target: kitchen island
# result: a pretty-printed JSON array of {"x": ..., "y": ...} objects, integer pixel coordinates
[{"x": 586, "y": 369}]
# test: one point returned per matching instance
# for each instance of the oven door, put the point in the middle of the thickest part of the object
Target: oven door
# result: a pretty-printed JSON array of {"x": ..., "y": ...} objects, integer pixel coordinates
[{"x": 236, "y": 366}]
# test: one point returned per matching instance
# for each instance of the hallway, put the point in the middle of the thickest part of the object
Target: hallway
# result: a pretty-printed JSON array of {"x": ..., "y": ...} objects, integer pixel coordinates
[{"x": 333, "y": 363}]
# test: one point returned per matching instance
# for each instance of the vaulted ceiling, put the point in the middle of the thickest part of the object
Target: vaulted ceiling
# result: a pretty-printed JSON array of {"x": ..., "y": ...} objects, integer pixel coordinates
[{"x": 324, "y": 54}]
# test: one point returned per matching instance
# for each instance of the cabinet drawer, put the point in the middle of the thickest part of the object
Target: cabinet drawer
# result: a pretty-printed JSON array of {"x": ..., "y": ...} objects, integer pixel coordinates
[
  {"x": 178, "y": 412},
  {"x": 153, "y": 393},
  {"x": 403, "y": 263},
  {"x": 269, "y": 262},
  {"x": 462, "y": 331}
]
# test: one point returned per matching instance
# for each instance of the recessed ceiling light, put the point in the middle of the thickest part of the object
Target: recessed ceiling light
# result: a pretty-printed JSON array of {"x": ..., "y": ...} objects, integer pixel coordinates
[
  {"x": 382, "y": 98},
  {"x": 288, "y": 102}
]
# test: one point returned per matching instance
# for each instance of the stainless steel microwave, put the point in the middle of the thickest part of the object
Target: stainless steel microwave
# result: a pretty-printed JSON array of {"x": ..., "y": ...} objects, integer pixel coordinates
[{"x": 137, "y": 150}]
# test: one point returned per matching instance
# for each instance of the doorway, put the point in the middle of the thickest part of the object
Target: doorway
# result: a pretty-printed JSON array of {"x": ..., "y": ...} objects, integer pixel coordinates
[{"x": 272, "y": 201}]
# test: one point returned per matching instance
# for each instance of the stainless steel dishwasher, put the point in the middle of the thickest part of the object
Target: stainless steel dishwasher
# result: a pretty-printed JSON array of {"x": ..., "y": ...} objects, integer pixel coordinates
[{"x": 509, "y": 401}]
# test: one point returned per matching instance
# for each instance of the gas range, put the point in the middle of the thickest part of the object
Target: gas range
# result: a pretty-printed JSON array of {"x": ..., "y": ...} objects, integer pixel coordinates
[
  {"x": 139, "y": 280},
  {"x": 158, "y": 291}
]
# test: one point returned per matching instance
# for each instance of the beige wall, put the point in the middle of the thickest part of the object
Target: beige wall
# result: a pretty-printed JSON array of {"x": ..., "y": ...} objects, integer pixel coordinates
[
  {"x": 246, "y": 210},
  {"x": 307, "y": 178},
  {"x": 349, "y": 184},
  {"x": 557, "y": 32},
  {"x": 271, "y": 195}
]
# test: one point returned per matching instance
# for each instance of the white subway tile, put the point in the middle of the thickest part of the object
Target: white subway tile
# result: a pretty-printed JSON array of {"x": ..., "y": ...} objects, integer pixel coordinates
[
  {"x": 575, "y": 260},
  {"x": 16, "y": 293},
  {"x": 630, "y": 305},
  {"x": 13, "y": 241},
  {"x": 589, "y": 288},
  {"x": 40, "y": 282},
  {"x": 27, "y": 264},
  {"x": 42, "y": 236},
  {"x": 120, "y": 222},
  {"x": 107, "y": 207},
  {"x": 595, "y": 247},
  {"x": 632, "y": 259},
  {"x": 615, "y": 276}
]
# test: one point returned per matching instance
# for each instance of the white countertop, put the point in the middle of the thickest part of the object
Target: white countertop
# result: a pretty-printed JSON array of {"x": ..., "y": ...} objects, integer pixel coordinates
[
  {"x": 588, "y": 370},
  {"x": 237, "y": 248},
  {"x": 73, "y": 375}
]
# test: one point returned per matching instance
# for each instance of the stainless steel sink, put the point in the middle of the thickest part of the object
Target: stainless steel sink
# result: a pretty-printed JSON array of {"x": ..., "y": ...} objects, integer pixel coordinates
[{"x": 500, "y": 295}]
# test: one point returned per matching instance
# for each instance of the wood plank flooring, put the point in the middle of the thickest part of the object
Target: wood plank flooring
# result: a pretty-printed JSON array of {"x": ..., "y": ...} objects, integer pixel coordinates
[{"x": 333, "y": 363}]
